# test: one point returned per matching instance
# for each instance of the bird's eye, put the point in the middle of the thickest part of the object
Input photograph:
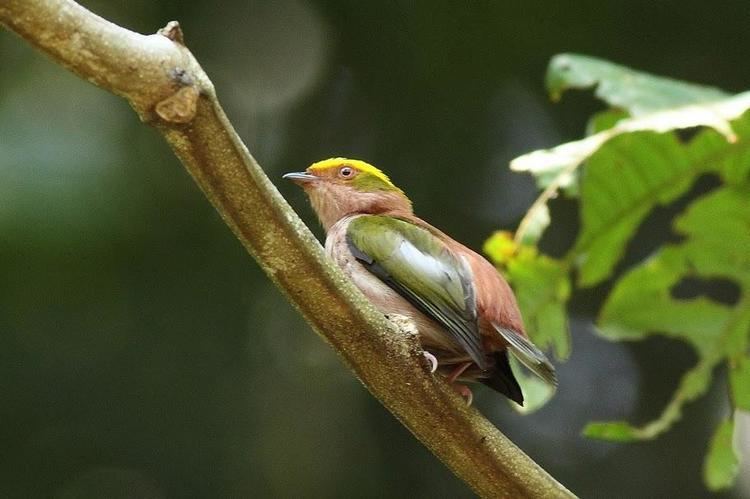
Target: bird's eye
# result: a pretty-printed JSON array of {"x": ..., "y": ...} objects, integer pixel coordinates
[{"x": 346, "y": 172}]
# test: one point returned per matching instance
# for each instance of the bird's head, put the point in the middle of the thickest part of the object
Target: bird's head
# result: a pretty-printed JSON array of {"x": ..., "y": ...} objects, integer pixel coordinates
[{"x": 338, "y": 187}]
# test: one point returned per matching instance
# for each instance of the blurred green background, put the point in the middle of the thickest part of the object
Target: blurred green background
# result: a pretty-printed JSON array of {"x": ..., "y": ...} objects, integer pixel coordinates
[{"x": 145, "y": 355}]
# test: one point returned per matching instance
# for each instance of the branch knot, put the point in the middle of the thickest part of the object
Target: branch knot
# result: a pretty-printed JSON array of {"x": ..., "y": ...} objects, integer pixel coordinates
[
  {"x": 173, "y": 31},
  {"x": 180, "y": 107}
]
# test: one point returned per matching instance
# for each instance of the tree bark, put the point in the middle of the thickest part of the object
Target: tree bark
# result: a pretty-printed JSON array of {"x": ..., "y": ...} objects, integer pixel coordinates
[{"x": 168, "y": 89}]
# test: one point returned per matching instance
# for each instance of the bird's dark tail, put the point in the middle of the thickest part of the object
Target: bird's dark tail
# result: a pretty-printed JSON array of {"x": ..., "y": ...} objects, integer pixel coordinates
[{"x": 503, "y": 380}]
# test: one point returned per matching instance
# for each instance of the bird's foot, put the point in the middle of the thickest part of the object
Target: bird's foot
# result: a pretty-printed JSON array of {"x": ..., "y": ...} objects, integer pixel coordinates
[
  {"x": 458, "y": 371},
  {"x": 432, "y": 361},
  {"x": 464, "y": 391}
]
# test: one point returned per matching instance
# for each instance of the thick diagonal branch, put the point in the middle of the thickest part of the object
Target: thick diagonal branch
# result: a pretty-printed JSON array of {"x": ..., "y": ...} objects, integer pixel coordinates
[{"x": 168, "y": 89}]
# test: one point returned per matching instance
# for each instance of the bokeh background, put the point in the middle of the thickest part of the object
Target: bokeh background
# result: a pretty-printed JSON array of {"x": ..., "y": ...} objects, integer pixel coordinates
[{"x": 143, "y": 354}]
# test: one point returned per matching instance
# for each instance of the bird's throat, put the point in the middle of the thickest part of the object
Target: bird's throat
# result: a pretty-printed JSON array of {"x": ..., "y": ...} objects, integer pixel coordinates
[{"x": 334, "y": 202}]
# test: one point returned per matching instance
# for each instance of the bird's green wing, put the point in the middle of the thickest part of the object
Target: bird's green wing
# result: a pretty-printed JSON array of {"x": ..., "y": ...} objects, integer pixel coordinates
[{"x": 420, "y": 267}]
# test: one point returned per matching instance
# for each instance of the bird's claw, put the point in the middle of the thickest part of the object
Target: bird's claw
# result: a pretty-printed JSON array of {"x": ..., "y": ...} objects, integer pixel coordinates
[
  {"x": 465, "y": 392},
  {"x": 432, "y": 360}
]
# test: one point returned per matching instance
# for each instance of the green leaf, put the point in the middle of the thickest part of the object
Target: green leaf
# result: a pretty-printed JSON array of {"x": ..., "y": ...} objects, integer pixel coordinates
[
  {"x": 615, "y": 431},
  {"x": 731, "y": 161},
  {"x": 556, "y": 166},
  {"x": 635, "y": 162},
  {"x": 624, "y": 181},
  {"x": 716, "y": 227},
  {"x": 658, "y": 105},
  {"x": 637, "y": 92},
  {"x": 739, "y": 381},
  {"x": 621, "y": 184},
  {"x": 722, "y": 462},
  {"x": 542, "y": 288},
  {"x": 641, "y": 304},
  {"x": 605, "y": 120}
]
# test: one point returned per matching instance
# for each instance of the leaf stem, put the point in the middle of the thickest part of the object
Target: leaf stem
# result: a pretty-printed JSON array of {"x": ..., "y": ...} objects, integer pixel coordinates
[{"x": 541, "y": 202}]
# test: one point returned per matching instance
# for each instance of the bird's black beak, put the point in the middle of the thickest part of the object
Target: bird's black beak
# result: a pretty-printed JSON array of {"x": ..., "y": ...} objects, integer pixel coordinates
[{"x": 299, "y": 177}]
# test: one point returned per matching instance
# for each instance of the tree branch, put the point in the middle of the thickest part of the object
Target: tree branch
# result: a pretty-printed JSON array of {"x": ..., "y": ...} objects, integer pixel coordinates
[{"x": 168, "y": 89}]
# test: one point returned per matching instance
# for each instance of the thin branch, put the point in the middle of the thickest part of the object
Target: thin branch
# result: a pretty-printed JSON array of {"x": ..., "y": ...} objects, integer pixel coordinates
[{"x": 166, "y": 86}]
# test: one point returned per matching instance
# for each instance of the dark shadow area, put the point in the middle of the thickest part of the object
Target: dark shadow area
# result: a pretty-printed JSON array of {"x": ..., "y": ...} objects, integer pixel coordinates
[{"x": 722, "y": 290}]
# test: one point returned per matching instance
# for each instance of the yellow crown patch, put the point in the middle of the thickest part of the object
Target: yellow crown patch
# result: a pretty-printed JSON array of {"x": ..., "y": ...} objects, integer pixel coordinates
[{"x": 354, "y": 163}]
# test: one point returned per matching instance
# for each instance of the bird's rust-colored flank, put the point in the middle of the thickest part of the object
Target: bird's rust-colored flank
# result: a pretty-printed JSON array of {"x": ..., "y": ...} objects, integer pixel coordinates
[{"x": 465, "y": 311}]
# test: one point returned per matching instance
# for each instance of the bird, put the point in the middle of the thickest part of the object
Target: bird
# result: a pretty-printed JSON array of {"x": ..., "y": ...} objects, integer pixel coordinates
[{"x": 465, "y": 312}]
